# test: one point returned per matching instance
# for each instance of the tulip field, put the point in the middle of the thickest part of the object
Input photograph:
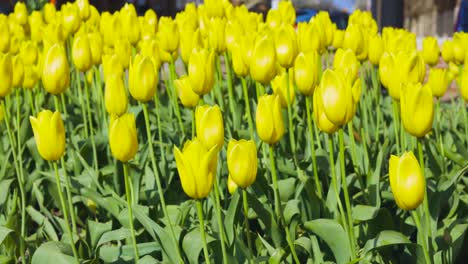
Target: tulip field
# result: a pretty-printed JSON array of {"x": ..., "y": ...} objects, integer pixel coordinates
[{"x": 222, "y": 136}]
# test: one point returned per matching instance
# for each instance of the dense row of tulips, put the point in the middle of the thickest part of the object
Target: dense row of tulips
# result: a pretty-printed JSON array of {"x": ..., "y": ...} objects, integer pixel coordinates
[{"x": 207, "y": 97}]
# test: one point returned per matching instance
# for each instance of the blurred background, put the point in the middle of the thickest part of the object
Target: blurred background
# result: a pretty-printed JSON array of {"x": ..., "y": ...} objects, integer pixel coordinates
[{"x": 423, "y": 17}]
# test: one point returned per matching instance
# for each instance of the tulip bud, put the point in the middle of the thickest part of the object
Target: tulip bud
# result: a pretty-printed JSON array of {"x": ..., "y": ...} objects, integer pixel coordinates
[
  {"x": 287, "y": 12},
  {"x": 129, "y": 19},
  {"x": 286, "y": 45},
  {"x": 216, "y": 35},
  {"x": 319, "y": 114},
  {"x": 83, "y": 9},
  {"x": 168, "y": 37},
  {"x": 263, "y": 62},
  {"x": 233, "y": 32},
  {"x": 56, "y": 72},
  {"x": 325, "y": 27},
  {"x": 187, "y": 96},
  {"x": 189, "y": 40},
  {"x": 306, "y": 72},
  {"x": 111, "y": 66},
  {"x": 123, "y": 50},
  {"x": 36, "y": 23},
  {"x": 115, "y": 96},
  {"x": 241, "y": 68},
  {"x": 346, "y": 62},
  {"x": 339, "y": 98},
  {"x": 232, "y": 186},
  {"x": 70, "y": 18},
  {"x": 143, "y": 78},
  {"x": 201, "y": 71},
  {"x": 21, "y": 13},
  {"x": 6, "y": 74},
  {"x": 283, "y": 86},
  {"x": 209, "y": 126},
  {"x": 338, "y": 36},
  {"x": 458, "y": 47},
  {"x": 447, "y": 51},
  {"x": 18, "y": 72},
  {"x": 95, "y": 45},
  {"x": 406, "y": 180},
  {"x": 269, "y": 119},
  {"x": 417, "y": 109},
  {"x": 353, "y": 39},
  {"x": 242, "y": 162},
  {"x": 81, "y": 53},
  {"x": 407, "y": 68},
  {"x": 31, "y": 76},
  {"x": 123, "y": 139},
  {"x": 438, "y": 81},
  {"x": 308, "y": 38},
  {"x": 29, "y": 53},
  {"x": 214, "y": 8},
  {"x": 4, "y": 34},
  {"x": 376, "y": 48},
  {"x": 430, "y": 51},
  {"x": 49, "y": 134}
]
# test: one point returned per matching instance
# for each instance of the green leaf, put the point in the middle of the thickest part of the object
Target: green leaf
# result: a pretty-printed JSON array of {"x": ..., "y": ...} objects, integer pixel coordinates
[
  {"x": 231, "y": 214},
  {"x": 4, "y": 189},
  {"x": 192, "y": 244},
  {"x": 364, "y": 212},
  {"x": 333, "y": 234},
  {"x": 112, "y": 253},
  {"x": 291, "y": 209},
  {"x": 53, "y": 252},
  {"x": 4, "y": 232},
  {"x": 114, "y": 235},
  {"x": 385, "y": 238},
  {"x": 96, "y": 230}
]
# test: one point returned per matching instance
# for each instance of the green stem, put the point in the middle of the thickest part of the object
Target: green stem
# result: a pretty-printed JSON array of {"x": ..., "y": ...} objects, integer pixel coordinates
[
  {"x": 465, "y": 117},
  {"x": 353, "y": 144},
  {"x": 421, "y": 237},
  {"x": 128, "y": 194},
  {"x": 439, "y": 134},
  {"x": 91, "y": 132},
  {"x": 69, "y": 200},
  {"x": 83, "y": 108},
  {"x": 335, "y": 184},
  {"x": 376, "y": 85},
  {"x": 158, "y": 121},
  {"x": 102, "y": 104},
  {"x": 20, "y": 179},
  {"x": 395, "y": 125},
  {"x": 346, "y": 194},
  {"x": 172, "y": 74},
  {"x": 230, "y": 91},
  {"x": 317, "y": 135},
  {"x": 65, "y": 211},
  {"x": 312, "y": 145},
  {"x": 278, "y": 209},
  {"x": 193, "y": 122},
  {"x": 427, "y": 214},
  {"x": 220, "y": 221},
  {"x": 247, "y": 225},
  {"x": 218, "y": 87},
  {"x": 31, "y": 101},
  {"x": 202, "y": 231},
  {"x": 247, "y": 107},
  {"x": 158, "y": 180},
  {"x": 292, "y": 140}
]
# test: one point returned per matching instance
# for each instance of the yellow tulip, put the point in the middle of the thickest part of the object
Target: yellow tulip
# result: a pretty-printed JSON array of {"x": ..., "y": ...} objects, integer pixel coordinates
[
  {"x": 386, "y": 66},
  {"x": 287, "y": 12},
  {"x": 187, "y": 96},
  {"x": 49, "y": 12},
  {"x": 319, "y": 114},
  {"x": 4, "y": 34},
  {"x": 325, "y": 27},
  {"x": 2, "y": 115},
  {"x": 232, "y": 186},
  {"x": 376, "y": 48},
  {"x": 354, "y": 39},
  {"x": 31, "y": 76},
  {"x": 209, "y": 126},
  {"x": 150, "y": 48},
  {"x": 241, "y": 68},
  {"x": 123, "y": 50},
  {"x": 129, "y": 20},
  {"x": 53, "y": 33},
  {"x": 464, "y": 85},
  {"x": 81, "y": 53},
  {"x": 306, "y": 72},
  {"x": 216, "y": 35},
  {"x": 201, "y": 71},
  {"x": 18, "y": 71},
  {"x": 214, "y": 8},
  {"x": 286, "y": 45},
  {"x": 438, "y": 81},
  {"x": 168, "y": 38},
  {"x": 95, "y": 45},
  {"x": 346, "y": 62},
  {"x": 339, "y": 96},
  {"x": 263, "y": 61},
  {"x": 189, "y": 40},
  {"x": 29, "y": 53},
  {"x": 83, "y": 9},
  {"x": 417, "y": 109},
  {"x": 111, "y": 66},
  {"x": 233, "y": 33},
  {"x": 308, "y": 38},
  {"x": 406, "y": 180},
  {"x": 21, "y": 13},
  {"x": 49, "y": 134},
  {"x": 6, "y": 74},
  {"x": 280, "y": 85},
  {"x": 36, "y": 23},
  {"x": 453, "y": 71},
  {"x": 447, "y": 51},
  {"x": 269, "y": 119},
  {"x": 70, "y": 18},
  {"x": 123, "y": 139},
  {"x": 115, "y": 96},
  {"x": 242, "y": 162},
  {"x": 407, "y": 68},
  {"x": 430, "y": 50},
  {"x": 197, "y": 168},
  {"x": 459, "y": 44},
  {"x": 142, "y": 78},
  {"x": 56, "y": 71},
  {"x": 338, "y": 36}
]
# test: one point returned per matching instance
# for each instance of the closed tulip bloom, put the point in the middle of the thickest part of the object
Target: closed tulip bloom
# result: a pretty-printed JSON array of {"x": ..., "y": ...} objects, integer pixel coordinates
[
  {"x": 430, "y": 51},
  {"x": 49, "y": 134},
  {"x": 269, "y": 119},
  {"x": 189, "y": 40},
  {"x": 123, "y": 139},
  {"x": 216, "y": 35},
  {"x": 241, "y": 68},
  {"x": 242, "y": 162},
  {"x": 21, "y": 13},
  {"x": 123, "y": 50},
  {"x": 263, "y": 61},
  {"x": 338, "y": 36},
  {"x": 129, "y": 19},
  {"x": 346, "y": 62},
  {"x": 150, "y": 48},
  {"x": 438, "y": 81},
  {"x": 209, "y": 126},
  {"x": 458, "y": 48},
  {"x": 6, "y": 74},
  {"x": 287, "y": 12},
  {"x": 49, "y": 12},
  {"x": 406, "y": 180},
  {"x": 168, "y": 35},
  {"x": 83, "y": 9},
  {"x": 115, "y": 96},
  {"x": 214, "y": 8},
  {"x": 447, "y": 51},
  {"x": 233, "y": 32},
  {"x": 56, "y": 71},
  {"x": 201, "y": 71},
  {"x": 407, "y": 68},
  {"x": 4, "y": 34},
  {"x": 308, "y": 38},
  {"x": 376, "y": 48},
  {"x": 354, "y": 39},
  {"x": 339, "y": 97},
  {"x": 286, "y": 45},
  {"x": 111, "y": 66},
  {"x": 319, "y": 114},
  {"x": 280, "y": 87},
  {"x": 306, "y": 72},
  {"x": 36, "y": 23},
  {"x": 81, "y": 53},
  {"x": 417, "y": 109},
  {"x": 232, "y": 186},
  {"x": 187, "y": 96},
  {"x": 324, "y": 23},
  {"x": 29, "y": 53},
  {"x": 142, "y": 78},
  {"x": 386, "y": 68},
  {"x": 197, "y": 168},
  {"x": 95, "y": 44},
  {"x": 70, "y": 18},
  {"x": 31, "y": 76},
  {"x": 53, "y": 33},
  {"x": 18, "y": 71}
]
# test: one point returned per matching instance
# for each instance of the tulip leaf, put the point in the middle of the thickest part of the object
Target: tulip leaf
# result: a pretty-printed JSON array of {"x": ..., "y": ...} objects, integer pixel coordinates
[
  {"x": 4, "y": 187},
  {"x": 385, "y": 238},
  {"x": 192, "y": 244},
  {"x": 4, "y": 232},
  {"x": 231, "y": 215},
  {"x": 53, "y": 252},
  {"x": 96, "y": 230},
  {"x": 124, "y": 253},
  {"x": 364, "y": 212},
  {"x": 114, "y": 235},
  {"x": 334, "y": 236}
]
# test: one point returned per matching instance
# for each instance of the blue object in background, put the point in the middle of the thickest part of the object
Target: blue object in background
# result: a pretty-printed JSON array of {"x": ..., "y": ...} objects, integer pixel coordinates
[{"x": 462, "y": 18}]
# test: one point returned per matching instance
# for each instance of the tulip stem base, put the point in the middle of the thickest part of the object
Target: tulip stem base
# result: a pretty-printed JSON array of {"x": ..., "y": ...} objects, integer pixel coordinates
[
  {"x": 427, "y": 214},
  {"x": 128, "y": 195},
  {"x": 421, "y": 236},
  {"x": 220, "y": 220},
  {"x": 202, "y": 231},
  {"x": 91, "y": 132},
  {"x": 172, "y": 74},
  {"x": 395, "y": 125},
  {"x": 65, "y": 212},
  {"x": 83, "y": 108},
  {"x": 247, "y": 225},
  {"x": 312, "y": 146},
  {"x": 292, "y": 139}
]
